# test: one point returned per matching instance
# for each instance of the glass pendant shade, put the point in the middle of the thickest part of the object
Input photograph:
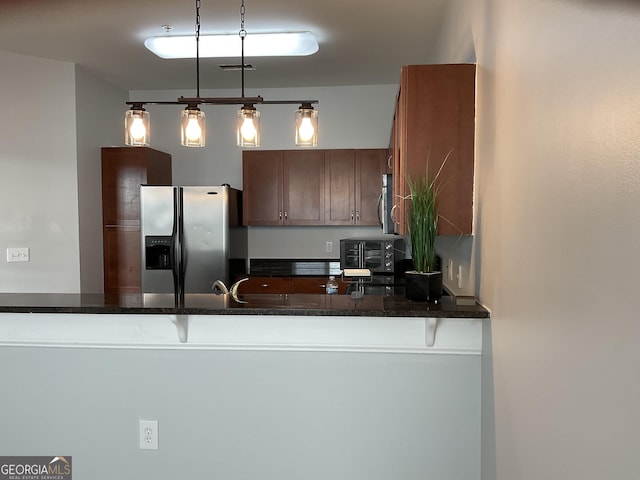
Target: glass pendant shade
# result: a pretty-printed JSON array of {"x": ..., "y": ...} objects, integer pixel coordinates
[
  {"x": 248, "y": 127},
  {"x": 136, "y": 127},
  {"x": 306, "y": 119},
  {"x": 192, "y": 131}
]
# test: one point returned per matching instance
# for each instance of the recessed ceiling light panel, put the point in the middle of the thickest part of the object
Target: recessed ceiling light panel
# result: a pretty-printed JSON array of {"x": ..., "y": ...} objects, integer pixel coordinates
[{"x": 224, "y": 46}]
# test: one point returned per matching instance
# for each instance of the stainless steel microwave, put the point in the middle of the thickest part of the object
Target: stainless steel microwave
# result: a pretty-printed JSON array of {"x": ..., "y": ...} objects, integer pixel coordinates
[{"x": 379, "y": 255}]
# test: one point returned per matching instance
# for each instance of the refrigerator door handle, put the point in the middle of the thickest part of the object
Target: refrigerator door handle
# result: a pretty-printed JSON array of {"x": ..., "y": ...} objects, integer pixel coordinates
[
  {"x": 179, "y": 206},
  {"x": 175, "y": 247}
]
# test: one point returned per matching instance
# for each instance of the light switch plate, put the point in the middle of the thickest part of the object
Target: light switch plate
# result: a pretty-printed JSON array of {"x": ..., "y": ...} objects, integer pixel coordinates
[{"x": 20, "y": 254}]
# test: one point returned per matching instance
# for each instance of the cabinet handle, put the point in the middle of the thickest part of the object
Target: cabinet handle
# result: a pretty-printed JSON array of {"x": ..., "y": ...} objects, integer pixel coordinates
[
  {"x": 357, "y": 216},
  {"x": 280, "y": 215},
  {"x": 264, "y": 285},
  {"x": 285, "y": 215},
  {"x": 390, "y": 162},
  {"x": 352, "y": 215}
]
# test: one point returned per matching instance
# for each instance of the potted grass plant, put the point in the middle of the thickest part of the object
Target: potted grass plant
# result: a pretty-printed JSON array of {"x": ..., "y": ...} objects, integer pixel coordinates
[{"x": 424, "y": 283}]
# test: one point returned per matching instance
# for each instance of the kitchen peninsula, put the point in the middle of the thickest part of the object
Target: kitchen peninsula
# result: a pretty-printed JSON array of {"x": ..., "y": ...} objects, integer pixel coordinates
[
  {"x": 256, "y": 321},
  {"x": 337, "y": 382}
]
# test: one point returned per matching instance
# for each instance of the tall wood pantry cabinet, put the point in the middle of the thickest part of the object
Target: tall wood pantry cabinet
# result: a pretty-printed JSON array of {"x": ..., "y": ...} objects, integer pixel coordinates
[
  {"x": 124, "y": 169},
  {"x": 435, "y": 117}
]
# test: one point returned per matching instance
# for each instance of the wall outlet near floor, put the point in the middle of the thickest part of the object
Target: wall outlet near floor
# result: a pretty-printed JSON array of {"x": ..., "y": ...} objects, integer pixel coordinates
[
  {"x": 148, "y": 434},
  {"x": 20, "y": 254}
]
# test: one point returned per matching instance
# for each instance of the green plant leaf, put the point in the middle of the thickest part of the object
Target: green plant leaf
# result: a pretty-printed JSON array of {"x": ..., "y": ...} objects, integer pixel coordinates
[{"x": 422, "y": 217}]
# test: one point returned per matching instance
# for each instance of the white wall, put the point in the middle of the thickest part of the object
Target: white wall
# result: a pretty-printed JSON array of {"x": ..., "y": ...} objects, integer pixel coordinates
[
  {"x": 558, "y": 190},
  {"x": 245, "y": 414},
  {"x": 38, "y": 183},
  {"x": 220, "y": 161},
  {"x": 99, "y": 114}
]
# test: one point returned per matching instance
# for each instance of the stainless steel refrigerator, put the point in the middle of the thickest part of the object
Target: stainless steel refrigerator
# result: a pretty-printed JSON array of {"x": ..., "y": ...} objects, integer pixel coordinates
[
  {"x": 385, "y": 204},
  {"x": 191, "y": 237}
]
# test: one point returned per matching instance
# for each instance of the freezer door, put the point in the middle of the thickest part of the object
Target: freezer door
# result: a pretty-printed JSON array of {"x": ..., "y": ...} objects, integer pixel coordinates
[
  {"x": 204, "y": 237},
  {"x": 158, "y": 213}
]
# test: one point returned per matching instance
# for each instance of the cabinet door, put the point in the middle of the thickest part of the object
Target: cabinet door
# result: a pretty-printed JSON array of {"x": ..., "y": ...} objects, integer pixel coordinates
[
  {"x": 124, "y": 169},
  {"x": 316, "y": 285},
  {"x": 370, "y": 165},
  {"x": 266, "y": 285},
  {"x": 303, "y": 198},
  {"x": 121, "y": 259},
  {"x": 122, "y": 175},
  {"x": 437, "y": 115},
  {"x": 262, "y": 185},
  {"x": 340, "y": 181}
]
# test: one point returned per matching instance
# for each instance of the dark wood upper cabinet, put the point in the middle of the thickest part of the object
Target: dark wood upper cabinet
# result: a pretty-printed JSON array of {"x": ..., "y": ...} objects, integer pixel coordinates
[
  {"x": 340, "y": 187},
  {"x": 353, "y": 185},
  {"x": 124, "y": 169},
  {"x": 435, "y": 117},
  {"x": 262, "y": 185},
  {"x": 312, "y": 187},
  {"x": 370, "y": 166},
  {"x": 303, "y": 187},
  {"x": 283, "y": 187}
]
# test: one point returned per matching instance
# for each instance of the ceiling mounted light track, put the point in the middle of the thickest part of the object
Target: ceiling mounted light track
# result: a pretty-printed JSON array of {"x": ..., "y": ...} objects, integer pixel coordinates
[
  {"x": 283, "y": 44},
  {"x": 193, "y": 131}
]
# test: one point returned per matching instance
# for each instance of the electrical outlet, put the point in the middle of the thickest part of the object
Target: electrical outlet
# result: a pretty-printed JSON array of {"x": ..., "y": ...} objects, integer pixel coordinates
[
  {"x": 450, "y": 269},
  {"x": 329, "y": 247},
  {"x": 459, "y": 276},
  {"x": 148, "y": 434}
]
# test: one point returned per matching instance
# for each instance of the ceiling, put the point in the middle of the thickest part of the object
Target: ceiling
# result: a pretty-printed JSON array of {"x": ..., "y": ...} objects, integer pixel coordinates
[{"x": 361, "y": 41}]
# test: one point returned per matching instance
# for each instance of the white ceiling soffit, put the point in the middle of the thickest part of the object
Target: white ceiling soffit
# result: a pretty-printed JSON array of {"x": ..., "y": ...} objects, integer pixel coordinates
[{"x": 360, "y": 42}]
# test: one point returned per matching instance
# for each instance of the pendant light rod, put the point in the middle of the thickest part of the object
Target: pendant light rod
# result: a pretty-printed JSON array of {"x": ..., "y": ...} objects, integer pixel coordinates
[
  {"x": 243, "y": 34},
  {"x": 198, "y": 48},
  {"x": 221, "y": 101}
]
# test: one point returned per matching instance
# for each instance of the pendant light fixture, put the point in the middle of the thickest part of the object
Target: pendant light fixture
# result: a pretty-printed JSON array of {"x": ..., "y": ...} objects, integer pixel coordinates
[
  {"x": 248, "y": 124},
  {"x": 306, "y": 118},
  {"x": 192, "y": 131},
  {"x": 248, "y": 127},
  {"x": 136, "y": 126},
  {"x": 192, "y": 122}
]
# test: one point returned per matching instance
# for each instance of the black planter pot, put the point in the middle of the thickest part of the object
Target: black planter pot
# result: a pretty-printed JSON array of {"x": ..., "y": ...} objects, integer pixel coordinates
[{"x": 423, "y": 287}]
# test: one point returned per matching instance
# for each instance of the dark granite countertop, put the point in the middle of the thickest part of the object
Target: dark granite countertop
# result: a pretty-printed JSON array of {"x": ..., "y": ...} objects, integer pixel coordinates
[{"x": 210, "y": 304}]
